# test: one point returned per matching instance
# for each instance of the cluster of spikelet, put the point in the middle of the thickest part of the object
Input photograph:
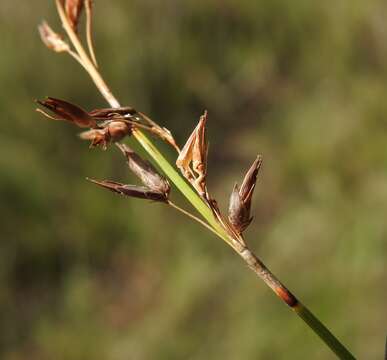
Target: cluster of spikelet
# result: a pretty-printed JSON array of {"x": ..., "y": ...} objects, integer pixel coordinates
[{"x": 111, "y": 125}]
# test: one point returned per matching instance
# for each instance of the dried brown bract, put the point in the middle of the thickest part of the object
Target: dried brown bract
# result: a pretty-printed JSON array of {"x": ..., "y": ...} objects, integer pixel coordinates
[
  {"x": 140, "y": 192},
  {"x": 64, "y": 110},
  {"x": 165, "y": 135},
  {"x": 52, "y": 39},
  {"x": 109, "y": 113},
  {"x": 98, "y": 137},
  {"x": 195, "y": 151},
  {"x": 73, "y": 9},
  {"x": 145, "y": 171},
  {"x": 240, "y": 200},
  {"x": 162, "y": 132}
]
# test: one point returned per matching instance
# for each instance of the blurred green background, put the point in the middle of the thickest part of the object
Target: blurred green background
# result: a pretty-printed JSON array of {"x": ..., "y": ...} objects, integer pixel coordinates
[{"x": 85, "y": 274}]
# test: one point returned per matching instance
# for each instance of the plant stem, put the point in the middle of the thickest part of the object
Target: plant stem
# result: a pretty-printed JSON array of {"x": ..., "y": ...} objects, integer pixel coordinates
[
  {"x": 289, "y": 299},
  {"x": 243, "y": 251},
  {"x": 193, "y": 217},
  {"x": 324, "y": 333}
]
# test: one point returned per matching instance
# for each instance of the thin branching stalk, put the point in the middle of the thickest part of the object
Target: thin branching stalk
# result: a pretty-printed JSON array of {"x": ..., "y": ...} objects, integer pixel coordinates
[
  {"x": 89, "y": 31},
  {"x": 214, "y": 224},
  {"x": 193, "y": 217}
]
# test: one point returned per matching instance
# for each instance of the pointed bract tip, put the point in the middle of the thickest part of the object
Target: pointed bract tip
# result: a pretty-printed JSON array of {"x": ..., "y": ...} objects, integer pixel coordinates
[
  {"x": 139, "y": 192},
  {"x": 64, "y": 110}
]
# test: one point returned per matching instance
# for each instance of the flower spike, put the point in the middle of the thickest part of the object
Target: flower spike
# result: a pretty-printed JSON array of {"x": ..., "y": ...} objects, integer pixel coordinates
[
  {"x": 240, "y": 199},
  {"x": 139, "y": 192},
  {"x": 64, "y": 110},
  {"x": 145, "y": 171}
]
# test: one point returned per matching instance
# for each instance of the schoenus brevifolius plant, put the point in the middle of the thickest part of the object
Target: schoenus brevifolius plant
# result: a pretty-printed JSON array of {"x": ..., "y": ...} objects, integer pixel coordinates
[{"x": 112, "y": 124}]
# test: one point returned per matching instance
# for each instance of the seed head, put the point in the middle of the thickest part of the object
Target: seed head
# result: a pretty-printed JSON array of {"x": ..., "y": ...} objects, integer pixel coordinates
[
  {"x": 139, "y": 192},
  {"x": 64, "y": 110},
  {"x": 240, "y": 199},
  {"x": 111, "y": 132},
  {"x": 145, "y": 171},
  {"x": 118, "y": 130}
]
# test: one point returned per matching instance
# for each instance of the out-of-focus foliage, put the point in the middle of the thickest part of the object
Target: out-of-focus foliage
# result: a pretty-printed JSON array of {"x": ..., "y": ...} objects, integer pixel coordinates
[{"x": 85, "y": 274}]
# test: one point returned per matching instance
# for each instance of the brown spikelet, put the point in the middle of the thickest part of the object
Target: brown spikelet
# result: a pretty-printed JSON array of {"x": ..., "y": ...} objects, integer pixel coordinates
[
  {"x": 139, "y": 192},
  {"x": 145, "y": 171},
  {"x": 111, "y": 132},
  {"x": 64, "y": 110},
  {"x": 52, "y": 39},
  {"x": 249, "y": 182},
  {"x": 118, "y": 130},
  {"x": 73, "y": 9},
  {"x": 238, "y": 213},
  {"x": 240, "y": 199}
]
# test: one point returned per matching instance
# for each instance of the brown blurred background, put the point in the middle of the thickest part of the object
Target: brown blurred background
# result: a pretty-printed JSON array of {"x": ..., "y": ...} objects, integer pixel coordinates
[{"x": 85, "y": 274}]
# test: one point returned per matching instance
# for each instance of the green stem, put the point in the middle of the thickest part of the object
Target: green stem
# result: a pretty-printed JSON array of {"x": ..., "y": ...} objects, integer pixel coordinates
[
  {"x": 185, "y": 189},
  {"x": 323, "y": 332}
]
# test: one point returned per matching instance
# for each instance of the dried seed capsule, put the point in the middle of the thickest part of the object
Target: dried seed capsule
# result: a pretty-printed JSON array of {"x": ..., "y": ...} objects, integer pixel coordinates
[
  {"x": 139, "y": 192},
  {"x": 240, "y": 199},
  {"x": 248, "y": 184},
  {"x": 64, "y": 110},
  {"x": 118, "y": 130},
  {"x": 52, "y": 39},
  {"x": 238, "y": 213},
  {"x": 145, "y": 171},
  {"x": 112, "y": 132}
]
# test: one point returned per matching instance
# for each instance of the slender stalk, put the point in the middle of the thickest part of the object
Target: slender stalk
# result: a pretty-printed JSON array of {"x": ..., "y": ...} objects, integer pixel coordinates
[
  {"x": 243, "y": 251},
  {"x": 322, "y": 332},
  {"x": 89, "y": 31},
  {"x": 77, "y": 58},
  {"x": 193, "y": 217},
  {"x": 87, "y": 63}
]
